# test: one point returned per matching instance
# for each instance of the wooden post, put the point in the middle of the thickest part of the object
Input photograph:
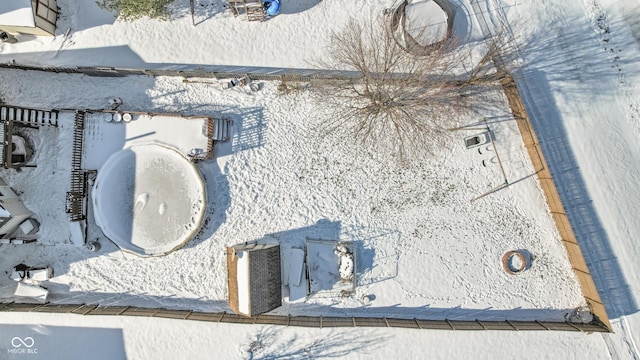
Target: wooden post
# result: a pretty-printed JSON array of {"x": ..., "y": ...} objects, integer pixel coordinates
[
  {"x": 495, "y": 149},
  {"x": 193, "y": 21}
]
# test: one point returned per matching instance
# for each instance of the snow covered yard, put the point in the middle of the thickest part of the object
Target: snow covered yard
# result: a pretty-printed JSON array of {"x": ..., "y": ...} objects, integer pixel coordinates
[
  {"x": 584, "y": 58},
  {"x": 423, "y": 247}
]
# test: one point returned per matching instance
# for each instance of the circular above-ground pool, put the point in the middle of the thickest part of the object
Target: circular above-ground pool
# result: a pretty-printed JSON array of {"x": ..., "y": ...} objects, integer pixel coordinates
[
  {"x": 149, "y": 199},
  {"x": 427, "y": 22},
  {"x": 421, "y": 26}
]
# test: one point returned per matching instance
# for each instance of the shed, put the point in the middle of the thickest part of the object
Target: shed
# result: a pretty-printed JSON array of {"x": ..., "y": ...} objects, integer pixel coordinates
[
  {"x": 36, "y": 17},
  {"x": 254, "y": 278}
]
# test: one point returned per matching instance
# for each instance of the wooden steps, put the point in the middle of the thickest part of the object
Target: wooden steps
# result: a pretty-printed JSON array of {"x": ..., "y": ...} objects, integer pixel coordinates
[
  {"x": 220, "y": 129},
  {"x": 75, "y": 201},
  {"x": 31, "y": 117},
  {"x": 78, "y": 132}
]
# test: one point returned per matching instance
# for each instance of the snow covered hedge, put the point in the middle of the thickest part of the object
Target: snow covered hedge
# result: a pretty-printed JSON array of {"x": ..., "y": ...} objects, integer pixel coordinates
[{"x": 134, "y": 9}]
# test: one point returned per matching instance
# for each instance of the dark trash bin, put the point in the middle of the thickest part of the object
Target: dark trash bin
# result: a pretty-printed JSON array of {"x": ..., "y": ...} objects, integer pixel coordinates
[{"x": 8, "y": 38}]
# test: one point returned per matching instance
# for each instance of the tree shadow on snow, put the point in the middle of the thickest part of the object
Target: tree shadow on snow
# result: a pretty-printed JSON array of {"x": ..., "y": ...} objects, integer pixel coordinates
[
  {"x": 564, "y": 54},
  {"x": 273, "y": 342}
]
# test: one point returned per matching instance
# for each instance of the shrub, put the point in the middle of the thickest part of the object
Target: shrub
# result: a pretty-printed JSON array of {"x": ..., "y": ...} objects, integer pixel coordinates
[{"x": 135, "y": 9}]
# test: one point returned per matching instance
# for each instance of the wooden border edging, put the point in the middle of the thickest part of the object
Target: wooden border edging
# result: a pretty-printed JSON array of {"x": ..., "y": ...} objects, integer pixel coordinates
[{"x": 552, "y": 197}]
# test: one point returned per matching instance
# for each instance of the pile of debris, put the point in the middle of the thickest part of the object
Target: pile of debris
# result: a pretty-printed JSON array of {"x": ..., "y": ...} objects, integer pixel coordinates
[{"x": 29, "y": 281}]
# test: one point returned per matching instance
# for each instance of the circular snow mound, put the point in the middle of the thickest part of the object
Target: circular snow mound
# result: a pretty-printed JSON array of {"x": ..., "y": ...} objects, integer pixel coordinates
[{"x": 149, "y": 199}]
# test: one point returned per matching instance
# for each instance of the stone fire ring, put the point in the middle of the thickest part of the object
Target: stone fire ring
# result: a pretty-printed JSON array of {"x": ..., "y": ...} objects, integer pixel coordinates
[{"x": 514, "y": 262}]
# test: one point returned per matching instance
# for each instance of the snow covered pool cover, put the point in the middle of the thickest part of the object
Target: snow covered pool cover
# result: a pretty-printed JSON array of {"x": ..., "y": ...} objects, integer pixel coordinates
[
  {"x": 149, "y": 199},
  {"x": 426, "y": 21}
]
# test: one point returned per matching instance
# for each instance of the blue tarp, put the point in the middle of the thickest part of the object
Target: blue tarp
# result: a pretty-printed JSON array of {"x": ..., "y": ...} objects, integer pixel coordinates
[{"x": 272, "y": 7}]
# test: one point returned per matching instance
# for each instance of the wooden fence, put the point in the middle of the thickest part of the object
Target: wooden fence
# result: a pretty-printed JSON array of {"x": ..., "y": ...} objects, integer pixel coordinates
[
  {"x": 307, "y": 321},
  {"x": 204, "y": 71},
  {"x": 558, "y": 213}
]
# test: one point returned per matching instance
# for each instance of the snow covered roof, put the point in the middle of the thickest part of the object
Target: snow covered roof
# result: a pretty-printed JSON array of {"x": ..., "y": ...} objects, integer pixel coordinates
[
  {"x": 254, "y": 278},
  {"x": 16, "y": 13}
]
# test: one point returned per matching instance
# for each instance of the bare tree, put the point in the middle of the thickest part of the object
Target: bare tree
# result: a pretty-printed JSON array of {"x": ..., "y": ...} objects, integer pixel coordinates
[
  {"x": 499, "y": 60},
  {"x": 396, "y": 101}
]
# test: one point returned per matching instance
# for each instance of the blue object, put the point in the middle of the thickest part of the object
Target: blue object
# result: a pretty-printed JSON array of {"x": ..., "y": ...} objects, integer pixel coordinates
[{"x": 272, "y": 7}]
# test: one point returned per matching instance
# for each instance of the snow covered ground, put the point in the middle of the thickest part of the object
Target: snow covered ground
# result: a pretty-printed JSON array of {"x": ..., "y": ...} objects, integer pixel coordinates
[
  {"x": 580, "y": 82},
  {"x": 423, "y": 247},
  {"x": 108, "y": 337},
  {"x": 580, "y": 73},
  {"x": 291, "y": 39}
]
